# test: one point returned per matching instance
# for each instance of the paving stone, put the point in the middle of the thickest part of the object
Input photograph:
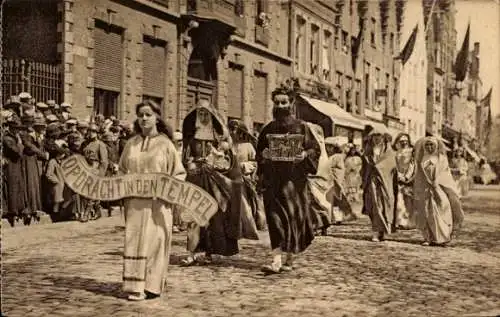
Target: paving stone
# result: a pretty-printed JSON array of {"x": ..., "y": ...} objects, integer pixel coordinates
[{"x": 74, "y": 269}]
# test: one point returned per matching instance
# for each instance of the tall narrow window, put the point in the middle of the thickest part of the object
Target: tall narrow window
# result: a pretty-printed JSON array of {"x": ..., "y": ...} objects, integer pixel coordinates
[
  {"x": 313, "y": 50},
  {"x": 327, "y": 55}
]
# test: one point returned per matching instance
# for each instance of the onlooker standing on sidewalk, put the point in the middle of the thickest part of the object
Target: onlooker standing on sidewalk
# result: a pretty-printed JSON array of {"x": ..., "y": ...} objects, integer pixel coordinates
[{"x": 55, "y": 180}]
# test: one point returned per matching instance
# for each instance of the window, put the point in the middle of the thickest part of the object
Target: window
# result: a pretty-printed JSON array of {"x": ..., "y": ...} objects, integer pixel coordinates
[
  {"x": 395, "y": 97},
  {"x": 239, "y": 8},
  {"x": 153, "y": 69},
  {"x": 235, "y": 91},
  {"x": 392, "y": 43},
  {"x": 327, "y": 55},
  {"x": 300, "y": 45},
  {"x": 106, "y": 102},
  {"x": 336, "y": 39},
  {"x": 313, "y": 50},
  {"x": 357, "y": 100},
  {"x": 345, "y": 47},
  {"x": 367, "y": 89},
  {"x": 372, "y": 33},
  {"x": 351, "y": 7},
  {"x": 260, "y": 97}
]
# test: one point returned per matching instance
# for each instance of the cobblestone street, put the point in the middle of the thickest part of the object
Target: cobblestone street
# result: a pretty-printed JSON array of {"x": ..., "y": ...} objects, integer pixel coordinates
[{"x": 74, "y": 269}]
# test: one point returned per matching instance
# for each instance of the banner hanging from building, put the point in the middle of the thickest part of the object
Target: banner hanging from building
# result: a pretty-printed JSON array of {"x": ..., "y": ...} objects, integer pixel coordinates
[{"x": 78, "y": 176}]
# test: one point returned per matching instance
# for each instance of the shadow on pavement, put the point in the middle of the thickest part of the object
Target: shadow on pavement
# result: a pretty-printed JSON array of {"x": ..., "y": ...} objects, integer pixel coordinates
[{"x": 111, "y": 289}]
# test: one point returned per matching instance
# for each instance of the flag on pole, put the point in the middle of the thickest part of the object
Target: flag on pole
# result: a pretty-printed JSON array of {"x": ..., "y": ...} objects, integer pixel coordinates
[
  {"x": 460, "y": 67},
  {"x": 486, "y": 119},
  {"x": 405, "y": 54},
  {"x": 356, "y": 47}
]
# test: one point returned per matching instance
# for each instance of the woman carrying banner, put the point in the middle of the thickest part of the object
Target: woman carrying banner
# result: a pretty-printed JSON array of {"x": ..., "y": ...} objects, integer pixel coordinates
[
  {"x": 405, "y": 174},
  {"x": 379, "y": 163},
  {"x": 437, "y": 204},
  {"x": 212, "y": 165},
  {"x": 148, "y": 222}
]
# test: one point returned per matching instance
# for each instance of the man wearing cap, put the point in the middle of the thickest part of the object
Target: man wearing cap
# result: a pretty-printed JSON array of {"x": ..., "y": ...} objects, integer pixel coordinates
[
  {"x": 71, "y": 126},
  {"x": 65, "y": 110},
  {"x": 52, "y": 118},
  {"x": 39, "y": 136},
  {"x": 82, "y": 127},
  {"x": 15, "y": 184},
  {"x": 13, "y": 104},
  {"x": 43, "y": 108}
]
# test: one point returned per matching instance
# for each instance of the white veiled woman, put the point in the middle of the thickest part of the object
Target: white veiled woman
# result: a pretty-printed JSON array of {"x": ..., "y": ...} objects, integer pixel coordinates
[{"x": 436, "y": 198}]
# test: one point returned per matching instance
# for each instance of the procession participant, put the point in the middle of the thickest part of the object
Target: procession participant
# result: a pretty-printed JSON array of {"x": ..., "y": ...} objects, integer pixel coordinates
[
  {"x": 319, "y": 184},
  {"x": 341, "y": 208},
  {"x": 212, "y": 165},
  {"x": 379, "y": 163},
  {"x": 25, "y": 97},
  {"x": 289, "y": 218},
  {"x": 31, "y": 154},
  {"x": 15, "y": 185},
  {"x": 459, "y": 169},
  {"x": 148, "y": 224},
  {"x": 437, "y": 204},
  {"x": 405, "y": 175},
  {"x": 66, "y": 110},
  {"x": 353, "y": 164},
  {"x": 177, "y": 220},
  {"x": 244, "y": 147}
]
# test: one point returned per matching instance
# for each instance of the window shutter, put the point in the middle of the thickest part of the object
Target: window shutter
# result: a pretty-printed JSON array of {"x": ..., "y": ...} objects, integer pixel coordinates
[
  {"x": 108, "y": 59},
  {"x": 153, "y": 69},
  {"x": 235, "y": 92},
  {"x": 259, "y": 97}
]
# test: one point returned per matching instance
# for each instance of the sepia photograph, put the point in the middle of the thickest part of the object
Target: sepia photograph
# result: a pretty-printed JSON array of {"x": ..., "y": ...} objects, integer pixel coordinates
[{"x": 250, "y": 158}]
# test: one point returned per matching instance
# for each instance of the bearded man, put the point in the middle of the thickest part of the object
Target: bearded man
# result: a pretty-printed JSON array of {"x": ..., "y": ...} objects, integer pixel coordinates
[{"x": 286, "y": 154}]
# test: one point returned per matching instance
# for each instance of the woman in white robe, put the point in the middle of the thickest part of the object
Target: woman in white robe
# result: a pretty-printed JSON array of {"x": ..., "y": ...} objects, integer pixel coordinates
[
  {"x": 148, "y": 222},
  {"x": 437, "y": 204}
]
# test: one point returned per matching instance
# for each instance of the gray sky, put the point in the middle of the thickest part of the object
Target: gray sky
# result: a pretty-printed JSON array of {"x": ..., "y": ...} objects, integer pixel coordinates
[{"x": 484, "y": 18}]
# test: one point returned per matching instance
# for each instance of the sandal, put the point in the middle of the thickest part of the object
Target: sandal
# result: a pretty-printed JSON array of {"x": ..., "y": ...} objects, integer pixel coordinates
[
  {"x": 189, "y": 261},
  {"x": 137, "y": 297},
  {"x": 269, "y": 269}
]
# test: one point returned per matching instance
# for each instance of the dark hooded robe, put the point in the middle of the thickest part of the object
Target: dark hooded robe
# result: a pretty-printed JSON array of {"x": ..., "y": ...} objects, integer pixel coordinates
[{"x": 224, "y": 184}]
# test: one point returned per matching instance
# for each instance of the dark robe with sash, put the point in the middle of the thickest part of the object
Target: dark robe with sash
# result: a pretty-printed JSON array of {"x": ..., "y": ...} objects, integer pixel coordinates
[{"x": 290, "y": 221}]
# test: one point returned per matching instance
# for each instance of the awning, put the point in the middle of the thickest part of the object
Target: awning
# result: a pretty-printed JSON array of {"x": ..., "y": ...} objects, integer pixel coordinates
[
  {"x": 378, "y": 126},
  {"x": 338, "y": 115},
  {"x": 472, "y": 153}
]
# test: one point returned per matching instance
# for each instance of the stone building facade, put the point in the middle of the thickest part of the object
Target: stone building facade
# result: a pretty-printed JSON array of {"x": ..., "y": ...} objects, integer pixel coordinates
[
  {"x": 413, "y": 84},
  {"x": 114, "y": 53},
  {"x": 359, "y": 91},
  {"x": 441, "y": 39}
]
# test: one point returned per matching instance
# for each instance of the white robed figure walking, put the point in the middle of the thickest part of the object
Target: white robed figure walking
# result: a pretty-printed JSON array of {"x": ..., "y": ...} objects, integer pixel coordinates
[{"x": 148, "y": 222}]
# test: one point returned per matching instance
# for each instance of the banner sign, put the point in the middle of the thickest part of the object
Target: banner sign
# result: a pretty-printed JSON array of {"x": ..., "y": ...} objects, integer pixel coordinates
[
  {"x": 285, "y": 147},
  {"x": 192, "y": 199}
]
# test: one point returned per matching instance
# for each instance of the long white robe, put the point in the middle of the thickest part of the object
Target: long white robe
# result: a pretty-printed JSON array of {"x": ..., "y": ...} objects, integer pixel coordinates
[{"x": 148, "y": 222}]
